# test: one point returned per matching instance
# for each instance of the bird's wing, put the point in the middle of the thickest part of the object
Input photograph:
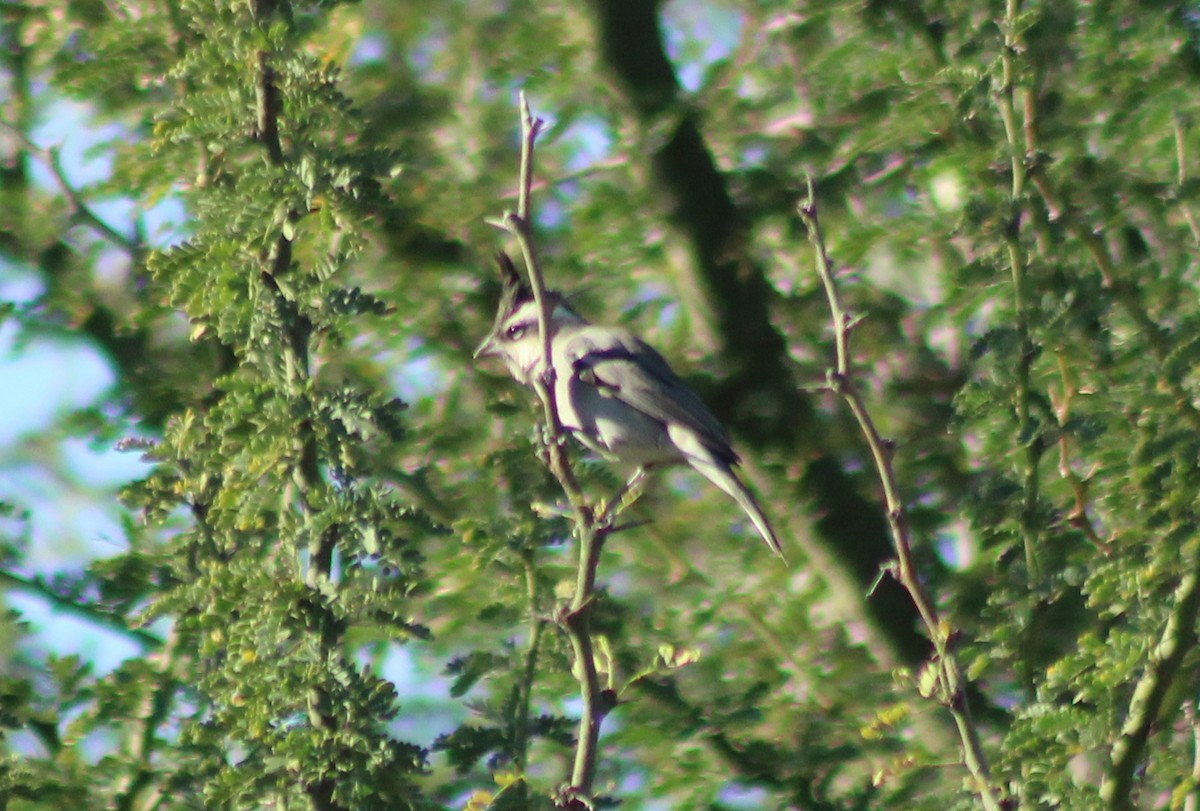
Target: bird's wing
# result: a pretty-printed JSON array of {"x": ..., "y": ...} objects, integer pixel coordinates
[{"x": 622, "y": 366}]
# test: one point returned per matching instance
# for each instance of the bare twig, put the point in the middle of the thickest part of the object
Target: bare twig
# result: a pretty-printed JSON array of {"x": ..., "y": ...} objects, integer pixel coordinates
[
  {"x": 80, "y": 210},
  {"x": 590, "y": 531},
  {"x": 94, "y": 614},
  {"x": 1078, "y": 514},
  {"x": 950, "y": 688}
]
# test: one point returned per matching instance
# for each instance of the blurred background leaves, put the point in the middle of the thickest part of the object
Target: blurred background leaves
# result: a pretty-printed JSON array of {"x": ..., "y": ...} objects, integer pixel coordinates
[{"x": 331, "y": 574}]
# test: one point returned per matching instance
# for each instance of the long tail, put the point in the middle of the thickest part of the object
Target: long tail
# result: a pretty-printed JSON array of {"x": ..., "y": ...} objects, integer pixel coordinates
[{"x": 722, "y": 476}]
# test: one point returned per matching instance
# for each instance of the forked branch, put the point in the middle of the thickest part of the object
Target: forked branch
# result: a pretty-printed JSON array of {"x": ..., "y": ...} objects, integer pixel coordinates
[{"x": 950, "y": 684}]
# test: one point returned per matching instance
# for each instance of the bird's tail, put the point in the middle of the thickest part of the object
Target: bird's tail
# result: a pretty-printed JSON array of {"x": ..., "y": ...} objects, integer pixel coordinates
[{"x": 722, "y": 476}]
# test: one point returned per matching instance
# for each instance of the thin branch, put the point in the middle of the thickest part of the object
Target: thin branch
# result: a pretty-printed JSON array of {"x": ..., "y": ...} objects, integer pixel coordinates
[
  {"x": 590, "y": 531},
  {"x": 517, "y": 223},
  {"x": 295, "y": 346},
  {"x": 1078, "y": 514},
  {"x": 80, "y": 210},
  {"x": 1019, "y": 142},
  {"x": 951, "y": 683},
  {"x": 1181, "y": 174},
  {"x": 94, "y": 614}
]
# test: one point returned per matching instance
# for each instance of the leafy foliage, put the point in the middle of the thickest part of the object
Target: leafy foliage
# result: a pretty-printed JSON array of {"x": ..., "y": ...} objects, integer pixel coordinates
[{"x": 341, "y": 577}]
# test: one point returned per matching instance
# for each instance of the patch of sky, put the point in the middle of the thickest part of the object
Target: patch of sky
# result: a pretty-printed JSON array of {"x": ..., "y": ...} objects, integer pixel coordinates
[
  {"x": 419, "y": 376},
  {"x": 588, "y": 141},
  {"x": 73, "y": 636},
  {"x": 68, "y": 126},
  {"x": 70, "y": 523},
  {"x": 67, "y": 526},
  {"x": 418, "y": 688},
  {"x": 53, "y": 375},
  {"x": 550, "y": 214},
  {"x": 24, "y": 743},
  {"x": 81, "y": 142},
  {"x": 166, "y": 222},
  {"x": 19, "y": 285},
  {"x": 735, "y": 795},
  {"x": 101, "y": 465},
  {"x": 669, "y": 315},
  {"x": 754, "y": 155},
  {"x": 698, "y": 34},
  {"x": 955, "y": 546},
  {"x": 370, "y": 48}
]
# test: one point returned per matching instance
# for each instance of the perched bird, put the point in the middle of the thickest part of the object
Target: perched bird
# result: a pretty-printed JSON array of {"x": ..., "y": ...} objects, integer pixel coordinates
[{"x": 615, "y": 394}]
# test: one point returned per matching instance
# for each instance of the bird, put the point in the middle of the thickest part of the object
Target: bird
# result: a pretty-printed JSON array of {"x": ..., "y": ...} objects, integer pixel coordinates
[{"x": 615, "y": 394}]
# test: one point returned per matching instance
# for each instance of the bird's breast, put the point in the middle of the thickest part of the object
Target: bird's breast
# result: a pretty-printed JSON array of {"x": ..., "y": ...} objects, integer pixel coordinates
[{"x": 612, "y": 427}]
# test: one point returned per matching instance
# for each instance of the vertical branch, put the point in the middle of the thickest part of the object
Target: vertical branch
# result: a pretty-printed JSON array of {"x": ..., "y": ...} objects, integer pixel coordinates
[
  {"x": 1181, "y": 175},
  {"x": 950, "y": 686},
  {"x": 1179, "y": 633},
  {"x": 1078, "y": 514},
  {"x": 517, "y": 223},
  {"x": 295, "y": 348},
  {"x": 306, "y": 474},
  {"x": 1028, "y": 435},
  {"x": 590, "y": 530}
]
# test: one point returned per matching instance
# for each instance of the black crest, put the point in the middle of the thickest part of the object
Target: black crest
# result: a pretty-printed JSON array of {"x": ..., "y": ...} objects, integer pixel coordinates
[{"x": 514, "y": 291}]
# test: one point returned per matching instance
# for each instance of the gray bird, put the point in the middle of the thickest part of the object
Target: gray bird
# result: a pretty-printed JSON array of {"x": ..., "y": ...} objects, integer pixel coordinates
[{"x": 615, "y": 394}]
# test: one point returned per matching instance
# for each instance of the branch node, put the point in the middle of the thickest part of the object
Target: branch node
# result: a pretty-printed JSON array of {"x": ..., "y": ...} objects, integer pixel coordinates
[
  {"x": 573, "y": 798},
  {"x": 608, "y": 701}
]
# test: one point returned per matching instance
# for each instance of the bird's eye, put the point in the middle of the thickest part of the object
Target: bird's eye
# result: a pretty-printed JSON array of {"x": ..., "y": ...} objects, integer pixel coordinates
[{"x": 515, "y": 332}]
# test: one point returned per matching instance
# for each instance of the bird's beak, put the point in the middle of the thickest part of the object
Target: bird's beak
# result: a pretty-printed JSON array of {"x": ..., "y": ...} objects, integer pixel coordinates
[{"x": 486, "y": 349}]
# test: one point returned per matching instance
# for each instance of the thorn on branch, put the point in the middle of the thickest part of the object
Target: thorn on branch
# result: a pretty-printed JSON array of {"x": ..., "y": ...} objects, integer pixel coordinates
[
  {"x": 888, "y": 569},
  {"x": 613, "y": 529}
]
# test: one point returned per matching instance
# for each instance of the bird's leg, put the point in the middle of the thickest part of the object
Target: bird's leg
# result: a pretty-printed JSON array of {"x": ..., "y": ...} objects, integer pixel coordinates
[{"x": 629, "y": 493}]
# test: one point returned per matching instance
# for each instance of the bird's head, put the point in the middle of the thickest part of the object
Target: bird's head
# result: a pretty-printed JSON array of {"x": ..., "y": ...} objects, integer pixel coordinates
[{"x": 514, "y": 336}]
